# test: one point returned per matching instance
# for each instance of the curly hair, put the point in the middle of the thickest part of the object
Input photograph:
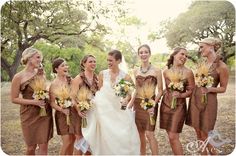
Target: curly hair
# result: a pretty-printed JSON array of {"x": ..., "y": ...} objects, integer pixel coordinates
[{"x": 171, "y": 58}]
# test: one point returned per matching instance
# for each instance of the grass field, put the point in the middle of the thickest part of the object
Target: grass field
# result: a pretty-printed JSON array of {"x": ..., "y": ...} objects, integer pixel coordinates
[{"x": 12, "y": 141}]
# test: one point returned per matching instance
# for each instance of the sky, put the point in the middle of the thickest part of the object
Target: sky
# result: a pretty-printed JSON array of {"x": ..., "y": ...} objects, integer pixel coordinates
[{"x": 152, "y": 12}]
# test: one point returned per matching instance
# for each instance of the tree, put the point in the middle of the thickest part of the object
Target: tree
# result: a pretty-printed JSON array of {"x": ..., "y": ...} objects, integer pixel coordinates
[
  {"x": 23, "y": 23},
  {"x": 203, "y": 19}
]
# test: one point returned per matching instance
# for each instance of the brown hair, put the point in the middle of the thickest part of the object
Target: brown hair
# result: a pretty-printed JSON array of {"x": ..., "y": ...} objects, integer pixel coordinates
[
  {"x": 84, "y": 60},
  {"x": 171, "y": 58},
  {"x": 116, "y": 54},
  {"x": 146, "y": 46},
  {"x": 56, "y": 63}
]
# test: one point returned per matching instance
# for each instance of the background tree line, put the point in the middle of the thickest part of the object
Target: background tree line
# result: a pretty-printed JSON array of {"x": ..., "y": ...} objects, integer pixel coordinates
[
  {"x": 71, "y": 29},
  {"x": 201, "y": 20}
]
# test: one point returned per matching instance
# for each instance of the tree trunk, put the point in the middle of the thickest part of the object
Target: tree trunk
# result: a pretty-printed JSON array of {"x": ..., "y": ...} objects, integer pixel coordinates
[{"x": 12, "y": 69}]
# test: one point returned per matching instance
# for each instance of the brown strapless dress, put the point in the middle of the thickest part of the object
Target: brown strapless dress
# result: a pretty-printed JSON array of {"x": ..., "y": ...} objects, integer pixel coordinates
[
  {"x": 203, "y": 116},
  {"x": 142, "y": 117},
  {"x": 36, "y": 129}
]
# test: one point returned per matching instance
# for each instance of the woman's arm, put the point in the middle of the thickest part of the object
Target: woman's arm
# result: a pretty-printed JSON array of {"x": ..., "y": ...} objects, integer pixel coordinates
[
  {"x": 100, "y": 79},
  {"x": 133, "y": 95},
  {"x": 224, "y": 77},
  {"x": 159, "y": 85},
  {"x": 191, "y": 85}
]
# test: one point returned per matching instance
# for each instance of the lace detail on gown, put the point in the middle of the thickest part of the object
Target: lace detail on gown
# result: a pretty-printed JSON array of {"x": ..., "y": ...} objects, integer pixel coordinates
[{"x": 107, "y": 78}]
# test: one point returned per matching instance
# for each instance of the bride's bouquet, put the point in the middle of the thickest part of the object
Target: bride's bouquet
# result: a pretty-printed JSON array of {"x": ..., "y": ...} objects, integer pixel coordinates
[
  {"x": 40, "y": 93},
  {"x": 146, "y": 93},
  {"x": 63, "y": 99},
  {"x": 122, "y": 89},
  {"x": 83, "y": 100},
  {"x": 203, "y": 79},
  {"x": 176, "y": 84}
]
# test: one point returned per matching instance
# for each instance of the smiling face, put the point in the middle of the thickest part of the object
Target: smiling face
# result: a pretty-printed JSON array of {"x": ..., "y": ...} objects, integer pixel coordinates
[
  {"x": 90, "y": 64},
  {"x": 205, "y": 49},
  {"x": 35, "y": 60},
  {"x": 181, "y": 57},
  {"x": 63, "y": 69},
  {"x": 144, "y": 54},
  {"x": 112, "y": 62}
]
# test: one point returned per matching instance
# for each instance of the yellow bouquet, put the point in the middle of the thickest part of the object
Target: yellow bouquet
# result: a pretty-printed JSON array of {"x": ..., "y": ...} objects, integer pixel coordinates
[
  {"x": 83, "y": 100},
  {"x": 40, "y": 92},
  {"x": 63, "y": 99},
  {"x": 122, "y": 89},
  {"x": 146, "y": 93},
  {"x": 203, "y": 79},
  {"x": 176, "y": 84}
]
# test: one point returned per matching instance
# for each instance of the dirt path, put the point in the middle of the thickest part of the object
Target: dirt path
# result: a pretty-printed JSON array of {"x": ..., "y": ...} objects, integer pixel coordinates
[{"x": 12, "y": 142}]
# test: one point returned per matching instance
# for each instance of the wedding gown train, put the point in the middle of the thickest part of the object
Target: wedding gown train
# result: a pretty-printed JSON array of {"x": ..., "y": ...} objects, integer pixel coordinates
[{"x": 111, "y": 130}]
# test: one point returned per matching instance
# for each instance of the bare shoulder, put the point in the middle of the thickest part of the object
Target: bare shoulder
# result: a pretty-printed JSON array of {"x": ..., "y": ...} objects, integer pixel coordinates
[
  {"x": 76, "y": 79},
  {"x": 188, "y": 71},
  {"x": 54, "y": 83},
  {"x": 156, "y": 70},
  {"x": 222, "y": 66},
  {"x": 135, "y": 70},
  {"x": 18, "y": 76},
  {"x": 165, "y": 71}
]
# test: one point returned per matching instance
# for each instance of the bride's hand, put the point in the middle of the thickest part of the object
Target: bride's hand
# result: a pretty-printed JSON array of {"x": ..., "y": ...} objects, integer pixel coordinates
[
  {"x": 129, "y": 105},
  {"x": 124, "y": 102}
]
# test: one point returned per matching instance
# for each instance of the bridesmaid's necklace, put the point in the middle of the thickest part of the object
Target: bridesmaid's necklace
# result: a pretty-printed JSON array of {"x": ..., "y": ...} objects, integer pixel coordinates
[
  {"x": 90, "y": 80},
  {"x": 145, "y": 71}
]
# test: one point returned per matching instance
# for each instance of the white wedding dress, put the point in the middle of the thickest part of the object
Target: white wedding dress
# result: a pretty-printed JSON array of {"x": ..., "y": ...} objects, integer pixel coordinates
[{"x": 111, "y": 130}]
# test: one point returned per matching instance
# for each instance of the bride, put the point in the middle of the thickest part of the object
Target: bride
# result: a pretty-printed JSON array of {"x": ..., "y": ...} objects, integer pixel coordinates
[{"x": 111, "y": 130}]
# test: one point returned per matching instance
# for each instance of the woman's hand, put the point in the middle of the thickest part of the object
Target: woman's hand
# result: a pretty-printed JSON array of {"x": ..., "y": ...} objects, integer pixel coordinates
[
  {"x": 83, "y": 114},
  {"x": 151, "y": 111},
  {"x": 204, "y": 90},
  {"x": 124, "y": 102},
  {"x": 65, "y": 111},
  {"x": 130, "y": 105},
  {"x": 176, "y": 94},
  {"x": 40, "y": 103}
]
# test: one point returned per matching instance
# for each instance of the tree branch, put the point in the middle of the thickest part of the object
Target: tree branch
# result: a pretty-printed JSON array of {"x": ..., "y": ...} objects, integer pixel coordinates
[{"x": 25, "y": 30}]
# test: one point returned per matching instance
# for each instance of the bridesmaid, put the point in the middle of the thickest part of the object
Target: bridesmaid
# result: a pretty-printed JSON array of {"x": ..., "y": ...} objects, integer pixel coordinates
[
  {"x": 67, "y": 132},
  {"x": 202, "y": 117},
  {"x": 87, "y": 78},
  {"x": 146, "y": 74},
  {"x": 172, "y": 119},
  {"x": 37, "y": 130}
]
